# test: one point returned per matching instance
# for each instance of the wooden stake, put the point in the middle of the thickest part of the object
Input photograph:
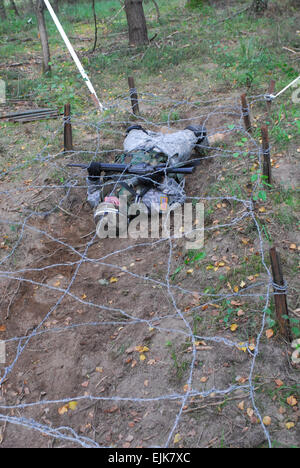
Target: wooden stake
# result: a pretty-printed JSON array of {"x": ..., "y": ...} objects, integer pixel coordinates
[
  {"x": 266, "y": 155},
  {"x": 246, "y": 113},
  {"x": 280, "y": 296},
  {"x": 133, "y": 96},
  {"x": 270, "y": 91},
  {"x": 68, "y": 138}
]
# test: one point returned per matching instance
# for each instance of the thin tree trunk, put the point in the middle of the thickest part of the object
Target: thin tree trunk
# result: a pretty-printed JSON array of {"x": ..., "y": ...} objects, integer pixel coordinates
[
  {"x": 2, "y": 10},
  {"x": 95, "y": 26},
  {"x": 43, "y": 35},
  {"x": 259, "y": 6},
  {"x": 157, "y": 10},
  {"x": 13, "y": 5},
  {"x": 137, "y": 27}
]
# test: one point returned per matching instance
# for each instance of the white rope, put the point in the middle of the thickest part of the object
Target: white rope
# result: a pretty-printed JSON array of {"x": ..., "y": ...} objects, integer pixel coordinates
[
  {"x": 74, "y": 55},
  {"x": 271, "y": 97}
]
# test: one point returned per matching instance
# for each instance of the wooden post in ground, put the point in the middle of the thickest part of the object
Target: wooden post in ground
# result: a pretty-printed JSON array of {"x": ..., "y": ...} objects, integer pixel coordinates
[
  {"x": 68, "y": 138},
  {"x": 266, "y": 155},
  {"x": 133, "y": 96},
  {"x": 246, "y": 113},
  {"x": 280, "y": 296},
  {"x": 270, "y": 92}
]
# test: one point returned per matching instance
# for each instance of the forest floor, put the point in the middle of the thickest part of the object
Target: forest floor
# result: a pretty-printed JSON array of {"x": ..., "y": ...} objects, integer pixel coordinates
[{"x": 133, "y": 343}]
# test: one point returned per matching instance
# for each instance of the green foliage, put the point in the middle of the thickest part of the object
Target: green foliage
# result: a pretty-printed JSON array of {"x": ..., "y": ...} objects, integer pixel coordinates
[
  {"x": 194, "y": 3},
  {"x": 180, "y": 367}
]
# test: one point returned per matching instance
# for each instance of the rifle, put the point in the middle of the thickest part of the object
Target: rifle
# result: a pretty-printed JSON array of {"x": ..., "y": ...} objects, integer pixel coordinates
[{"x": 145, "y": 172}]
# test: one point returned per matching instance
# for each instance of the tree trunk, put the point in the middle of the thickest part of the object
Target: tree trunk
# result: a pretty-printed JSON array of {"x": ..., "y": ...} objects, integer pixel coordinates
[
  {"x": 95, "y": 26},
  {"x": 13, "y": 5},
  {"x": 259, "y": 6},
  {"x": 43, "y": 35},
  {"x": 2, "y": 10},
  {"x": 137, "y": 27}
]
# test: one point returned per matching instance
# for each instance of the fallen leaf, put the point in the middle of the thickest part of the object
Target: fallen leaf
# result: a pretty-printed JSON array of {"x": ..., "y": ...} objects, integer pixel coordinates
[
  {"x": 292, "y": 401},
  {"x": 203, "y": 379},
  {"x": 269, "y": 333},
  {"x": 236, "y": 303},
  {"x": 267, "y": 420},
  {"x": 140, "y": 349},
  {"x": 250, "y": 412},
  {"x": 241, "y": 405},
  {"x": 111, "y": 410},
  {"x": 177, "y": 438},
  {"x": 151, "y": 362},
  {"x": 279, "y": 382},
  {"x": 289, "y": 425},
  {"x": 2, "y": 328},
  {"x": 63, "y": 410},
  {"x": 293, "y": 247},
  {"x": 233, "y": 327},
  {"x": 85, "y": 384},
  {"x": 242, "y": 347},
  {"x": 73, "y": 405},
  {"x": 242, "y": 380},
  {"x": 113, "y": 279}
]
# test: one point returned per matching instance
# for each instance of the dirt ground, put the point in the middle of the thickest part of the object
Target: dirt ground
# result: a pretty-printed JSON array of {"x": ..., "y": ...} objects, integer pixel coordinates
[{"x": 108, "y": 345}]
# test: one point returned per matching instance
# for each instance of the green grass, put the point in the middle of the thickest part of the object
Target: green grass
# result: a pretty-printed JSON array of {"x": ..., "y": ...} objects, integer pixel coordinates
[{"x": 244, "y": 50}]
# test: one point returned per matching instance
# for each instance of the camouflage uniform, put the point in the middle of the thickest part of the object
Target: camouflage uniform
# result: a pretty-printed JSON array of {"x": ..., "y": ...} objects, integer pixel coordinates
[{"x": 141, "y": 146}]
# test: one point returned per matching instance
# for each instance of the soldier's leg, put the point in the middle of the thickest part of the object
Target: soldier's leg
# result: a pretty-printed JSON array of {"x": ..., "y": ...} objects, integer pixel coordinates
[{"x": 111, "y": 215}]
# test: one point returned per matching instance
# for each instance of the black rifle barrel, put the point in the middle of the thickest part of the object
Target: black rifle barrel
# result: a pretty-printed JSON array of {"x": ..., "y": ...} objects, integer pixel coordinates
[{"x": 95, "y": 168}]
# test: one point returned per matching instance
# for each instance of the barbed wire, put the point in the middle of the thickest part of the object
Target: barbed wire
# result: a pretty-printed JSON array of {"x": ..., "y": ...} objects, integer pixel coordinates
[{"x": 227, "y": 110}]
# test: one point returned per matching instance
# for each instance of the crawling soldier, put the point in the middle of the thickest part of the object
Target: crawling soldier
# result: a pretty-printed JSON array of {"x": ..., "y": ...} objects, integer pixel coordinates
[{"x": 153, "y": 148}]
